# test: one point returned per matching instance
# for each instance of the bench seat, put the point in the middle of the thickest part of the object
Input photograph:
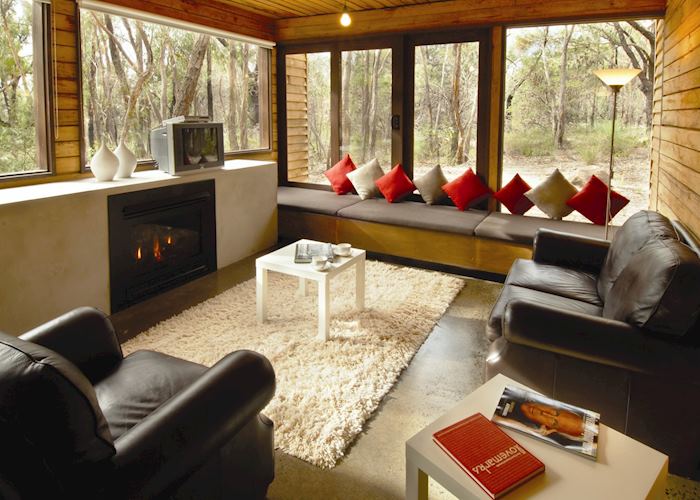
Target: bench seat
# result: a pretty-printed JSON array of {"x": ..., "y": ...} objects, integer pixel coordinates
[
  {"x": 522, "y": 228},
  {"x": 415, "y": 214},
  {"x": 441, "y": 234}
]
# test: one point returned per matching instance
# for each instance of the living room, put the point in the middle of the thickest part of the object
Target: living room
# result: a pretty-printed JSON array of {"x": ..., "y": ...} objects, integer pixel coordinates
[{"x": 417, "y": 132}]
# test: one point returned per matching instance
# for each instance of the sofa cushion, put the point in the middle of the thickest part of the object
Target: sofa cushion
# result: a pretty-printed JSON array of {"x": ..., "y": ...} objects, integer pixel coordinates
[
  {"x": 416, "y": 214},
  {"x": 494, "y": 327},
  {"x": 48, "y": 402},
  {"x": 313, "y": 200},
  {"x": 570, "y": 283},
  {"x": 467, "y": 190},
  {"x": 592, "y": 201},
  {"x": 144, "y": 381},
  {"x": 522, "y": 229},
  {"x": 659, "y": 289},
  {"x": 395, "y": 184},
  {"x": 512, "y": 196},
  {"x": 337, "y": 175},
  {"x": 551, "y": 195},
  {"x": 635, "y": 233},
  {"x": 430, "y": 185},
  {"x": 364, "y": 177}
]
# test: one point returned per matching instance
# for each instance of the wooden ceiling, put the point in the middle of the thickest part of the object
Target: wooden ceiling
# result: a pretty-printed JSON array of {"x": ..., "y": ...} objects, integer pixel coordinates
[{"x": 283, "y": 9}]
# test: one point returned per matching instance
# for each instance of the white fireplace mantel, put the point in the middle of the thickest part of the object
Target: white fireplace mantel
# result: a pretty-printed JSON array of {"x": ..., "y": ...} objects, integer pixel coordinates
[{"x": 54, "y": 253}]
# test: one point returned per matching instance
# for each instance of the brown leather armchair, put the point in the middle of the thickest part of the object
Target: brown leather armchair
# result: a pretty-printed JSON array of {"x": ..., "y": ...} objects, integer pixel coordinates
[
  {"x": 611, "y": 327},
  {"x": 79, "y": 420}
]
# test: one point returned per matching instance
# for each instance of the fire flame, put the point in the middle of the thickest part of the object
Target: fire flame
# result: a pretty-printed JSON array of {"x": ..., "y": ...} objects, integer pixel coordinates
[
  {"x": 138, "y": 253},
  {"x": 169, "y": 241},
  {"x": 157, "y": 254}
]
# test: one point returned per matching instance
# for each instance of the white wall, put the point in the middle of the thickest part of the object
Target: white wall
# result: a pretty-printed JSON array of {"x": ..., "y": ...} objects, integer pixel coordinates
[{"x": 54, "y": 252}]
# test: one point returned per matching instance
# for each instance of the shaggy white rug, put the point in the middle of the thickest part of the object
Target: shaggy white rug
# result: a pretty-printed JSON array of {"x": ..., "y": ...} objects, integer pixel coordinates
[{"x": 325, "y": 390}]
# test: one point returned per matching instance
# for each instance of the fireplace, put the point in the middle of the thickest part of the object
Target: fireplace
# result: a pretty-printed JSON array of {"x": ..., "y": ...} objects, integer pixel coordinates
[{"x": 159, "y": 239}]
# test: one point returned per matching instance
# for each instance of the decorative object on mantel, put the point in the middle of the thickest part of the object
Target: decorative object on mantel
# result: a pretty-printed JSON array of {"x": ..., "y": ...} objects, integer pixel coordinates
[
  {"x": 615, "y": 78},
  {"x": 104, "y": 164},
  {"x": 127, "y": 161},
  {"x": 317, "y": 416}
]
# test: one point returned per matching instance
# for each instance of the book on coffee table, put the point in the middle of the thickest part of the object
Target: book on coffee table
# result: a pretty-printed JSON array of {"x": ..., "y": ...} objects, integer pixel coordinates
[
  {"x": 304, "y": 251},
  {"x": 494, "y": 460},
  {"x": 559, "y": 424}
]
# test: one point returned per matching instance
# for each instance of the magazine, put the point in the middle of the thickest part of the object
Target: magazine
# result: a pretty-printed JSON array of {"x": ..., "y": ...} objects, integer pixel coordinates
[
  {"x": 560, "y": 424},
  {"x": 304, "y": 252}
]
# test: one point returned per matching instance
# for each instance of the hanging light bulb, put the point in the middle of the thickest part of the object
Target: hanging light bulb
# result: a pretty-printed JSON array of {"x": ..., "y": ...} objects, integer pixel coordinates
[{"x": 345, "y": 19}]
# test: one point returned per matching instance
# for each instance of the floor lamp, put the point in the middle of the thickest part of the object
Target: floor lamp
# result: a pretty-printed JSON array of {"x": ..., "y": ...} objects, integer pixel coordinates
[{"x": 615, "y": 78}]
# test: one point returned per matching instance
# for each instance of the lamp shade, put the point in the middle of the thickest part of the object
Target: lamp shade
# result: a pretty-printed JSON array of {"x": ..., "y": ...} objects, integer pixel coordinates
[{"x": 616, "y": 77}]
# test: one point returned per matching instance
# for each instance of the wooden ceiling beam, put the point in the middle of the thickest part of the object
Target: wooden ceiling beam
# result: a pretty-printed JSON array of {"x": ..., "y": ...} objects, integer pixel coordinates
[
  {"x": 212, "y": 13},
  {"x": 461, "y": 13}
]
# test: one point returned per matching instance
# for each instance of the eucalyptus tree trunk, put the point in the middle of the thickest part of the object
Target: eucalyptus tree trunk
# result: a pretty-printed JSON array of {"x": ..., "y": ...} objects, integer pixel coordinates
[
  {"x": 188, "y": 88},
  {"x": 560, "y": 120}
]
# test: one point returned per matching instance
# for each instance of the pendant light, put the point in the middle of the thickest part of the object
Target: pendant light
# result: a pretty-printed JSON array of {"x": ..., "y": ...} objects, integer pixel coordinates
[{"x": 345, "y": 19}]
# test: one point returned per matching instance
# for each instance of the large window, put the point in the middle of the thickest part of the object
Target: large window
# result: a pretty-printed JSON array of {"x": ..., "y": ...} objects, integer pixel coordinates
[
  {"x": 416, "y": 99},
  {"x": 446, "y": 87},
  {"x": 324, "y": 123},
  {"x": 135, "y": 74},
  {"x": 557, "y": 114},
  {"x": 23, "y": 127}
]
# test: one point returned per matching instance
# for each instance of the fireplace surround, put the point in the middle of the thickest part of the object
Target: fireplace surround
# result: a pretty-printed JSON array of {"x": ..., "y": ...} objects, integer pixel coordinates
[{"x": 159, "y": 239}]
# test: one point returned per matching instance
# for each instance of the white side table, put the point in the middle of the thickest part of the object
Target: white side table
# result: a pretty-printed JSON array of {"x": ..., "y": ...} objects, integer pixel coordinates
[
  {"x": 625, "y": 469},
  {"x": 282, "y": 261}
]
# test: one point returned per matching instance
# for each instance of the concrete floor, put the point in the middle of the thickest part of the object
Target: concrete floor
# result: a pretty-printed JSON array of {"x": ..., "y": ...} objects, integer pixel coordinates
[{"x": 448, "y": 366}]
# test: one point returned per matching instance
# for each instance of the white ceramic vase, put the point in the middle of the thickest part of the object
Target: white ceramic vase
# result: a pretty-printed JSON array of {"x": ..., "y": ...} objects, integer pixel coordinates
[
  {"x": 127, "y": 161},
  {"x": 104, "y": 164}
]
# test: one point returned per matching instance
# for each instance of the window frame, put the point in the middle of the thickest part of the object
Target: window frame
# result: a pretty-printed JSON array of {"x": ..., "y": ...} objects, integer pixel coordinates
[
  {"x": 150, "y": 163},
  {"x": 42, "y": 62},
  {"x": 402, "y": 95}
]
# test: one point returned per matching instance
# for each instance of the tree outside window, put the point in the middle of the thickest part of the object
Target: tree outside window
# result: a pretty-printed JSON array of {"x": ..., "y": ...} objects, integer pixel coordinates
[{"x": 136, "y": 74}]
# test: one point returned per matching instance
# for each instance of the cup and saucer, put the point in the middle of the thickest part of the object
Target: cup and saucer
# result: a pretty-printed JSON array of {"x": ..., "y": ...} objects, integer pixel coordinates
[
  {"x": 320, "y": 263},
  {"x": 342, "y": 249}
]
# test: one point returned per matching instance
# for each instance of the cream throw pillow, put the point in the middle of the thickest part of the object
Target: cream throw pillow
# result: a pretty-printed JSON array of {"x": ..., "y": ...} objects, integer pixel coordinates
[
  {"x": 363, "y": 179},
  {"x": 552, "y": 194},
  {"x": 430, "y": 185}
]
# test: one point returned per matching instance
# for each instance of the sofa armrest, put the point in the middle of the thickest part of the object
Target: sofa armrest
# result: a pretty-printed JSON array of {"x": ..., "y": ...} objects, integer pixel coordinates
[
  {"x": 569, "y": 250},
  {"x": 599, "y": 340},
  {"x": 172, "y": 442},
  {"x": 85, "y": 337}
]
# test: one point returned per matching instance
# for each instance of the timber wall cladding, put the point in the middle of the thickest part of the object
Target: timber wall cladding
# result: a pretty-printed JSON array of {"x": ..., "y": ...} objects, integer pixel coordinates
[
  {"x": 66, "y": 87},
  {"x": 297, "y": 118},
  {"x": 675, "y": 180}
]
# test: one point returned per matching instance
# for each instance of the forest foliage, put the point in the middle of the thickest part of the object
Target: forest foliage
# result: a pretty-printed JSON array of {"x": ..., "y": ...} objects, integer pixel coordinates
[
  {"x": 136, "y": 74},
  {"x": 17, "y": 115}
]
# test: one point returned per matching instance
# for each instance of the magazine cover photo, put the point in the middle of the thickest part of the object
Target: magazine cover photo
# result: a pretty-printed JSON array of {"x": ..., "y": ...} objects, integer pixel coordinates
[{"x": 560, "y": 424}]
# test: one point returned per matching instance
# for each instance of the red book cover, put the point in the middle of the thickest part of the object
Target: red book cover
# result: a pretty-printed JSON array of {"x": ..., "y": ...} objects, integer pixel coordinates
[{"x": 490, "y": 456}]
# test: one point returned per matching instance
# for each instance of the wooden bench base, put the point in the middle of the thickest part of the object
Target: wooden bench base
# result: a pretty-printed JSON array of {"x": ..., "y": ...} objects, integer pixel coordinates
[{"x": 437, "y": 247}]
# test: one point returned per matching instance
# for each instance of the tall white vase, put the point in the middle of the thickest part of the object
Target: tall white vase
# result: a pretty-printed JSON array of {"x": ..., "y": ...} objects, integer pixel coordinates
[
  {"x": 127, "y": 161},
  {"x": 104, "y": 164}
]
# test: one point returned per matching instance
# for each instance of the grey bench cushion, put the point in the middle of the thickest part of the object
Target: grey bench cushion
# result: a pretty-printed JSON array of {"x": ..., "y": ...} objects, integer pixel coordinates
[
  {"x": 522, "y": 229},
  {"x": 415, "y": 214},
  {"x": 314, "y": 200}
]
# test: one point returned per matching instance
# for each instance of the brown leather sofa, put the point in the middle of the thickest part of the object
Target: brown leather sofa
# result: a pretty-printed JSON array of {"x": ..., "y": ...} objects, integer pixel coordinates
[
  {"x": 611, "y": 327},
  {"x": 79, "y": 420}
]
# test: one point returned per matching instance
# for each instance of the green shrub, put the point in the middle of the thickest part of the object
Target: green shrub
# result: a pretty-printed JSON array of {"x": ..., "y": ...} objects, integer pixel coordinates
[
  {"x": 528, "y": 143},
  {"x": 593, "y": 144}
]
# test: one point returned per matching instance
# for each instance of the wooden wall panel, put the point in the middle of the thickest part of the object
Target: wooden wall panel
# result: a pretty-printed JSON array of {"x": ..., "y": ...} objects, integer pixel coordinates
[
  {"x": 297, "y": 118},
  {"x": 461, "y": 13},
  {"x": 675, "y": 163}
]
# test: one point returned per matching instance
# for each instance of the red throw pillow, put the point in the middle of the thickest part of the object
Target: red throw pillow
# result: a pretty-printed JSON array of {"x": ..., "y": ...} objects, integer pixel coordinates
[
  {"x": 395, "y": 184},
  {"x": 338, "y": 175},
  {"x": 592, "y": 200},
  {"x": 512, "y": 195},
  {"x": 467, "y": 190}
]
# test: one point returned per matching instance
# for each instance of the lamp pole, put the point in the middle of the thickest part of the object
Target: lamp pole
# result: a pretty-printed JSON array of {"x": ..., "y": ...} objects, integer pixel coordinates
[
  {"x": 615, "y": 90},
  {"x": 615, "y": 78}
]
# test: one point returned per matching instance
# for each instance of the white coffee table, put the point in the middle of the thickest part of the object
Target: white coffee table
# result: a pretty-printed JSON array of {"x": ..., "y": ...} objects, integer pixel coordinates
[
  {"x": 282, "y": 261},
  {"x": 625, "y": 469}
]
